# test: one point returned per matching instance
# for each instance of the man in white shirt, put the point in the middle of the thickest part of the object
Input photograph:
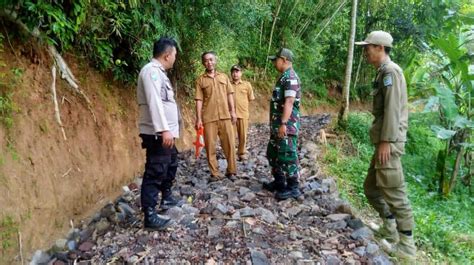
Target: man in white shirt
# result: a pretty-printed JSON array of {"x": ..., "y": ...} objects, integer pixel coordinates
[{"x": 159, "y": 127}]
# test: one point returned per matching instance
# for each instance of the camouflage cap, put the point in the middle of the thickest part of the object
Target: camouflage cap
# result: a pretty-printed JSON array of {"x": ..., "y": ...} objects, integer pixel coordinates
[
  {"x": 283, "y": 53},
  {"x": 377, "y": 38}
]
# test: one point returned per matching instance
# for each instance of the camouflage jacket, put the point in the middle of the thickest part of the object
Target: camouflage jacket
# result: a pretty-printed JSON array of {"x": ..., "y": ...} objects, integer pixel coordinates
[{"x": 288, "y": 85}]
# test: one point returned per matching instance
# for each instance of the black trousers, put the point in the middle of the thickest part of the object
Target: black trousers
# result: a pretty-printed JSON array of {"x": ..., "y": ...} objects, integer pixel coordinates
[{"x": 160, "y": 169}]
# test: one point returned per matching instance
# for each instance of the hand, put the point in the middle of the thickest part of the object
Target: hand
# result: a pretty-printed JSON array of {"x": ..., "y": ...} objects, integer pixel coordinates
[
  {"x": 168, "y": 140},
  {"x": 233, "y": 117},
  {"x": 198, "y": 124},
  {"x": 383, "y": 152},
  {"x": 282, "y": 131}
]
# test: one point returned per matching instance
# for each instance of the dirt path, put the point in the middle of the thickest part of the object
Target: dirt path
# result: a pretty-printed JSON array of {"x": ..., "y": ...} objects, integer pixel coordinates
[{"x": 230, "y": 222}]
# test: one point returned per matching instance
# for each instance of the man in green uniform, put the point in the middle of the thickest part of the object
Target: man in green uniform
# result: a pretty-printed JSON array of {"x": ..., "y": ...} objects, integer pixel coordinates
[
  {"x": 385, "y": 186},
  {"x": 284, "y": 128}
]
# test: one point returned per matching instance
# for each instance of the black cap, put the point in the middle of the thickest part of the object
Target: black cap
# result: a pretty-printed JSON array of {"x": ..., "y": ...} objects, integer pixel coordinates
[
  {"x": 283, "y": 53},
  {"x": 235, "y": 67}
]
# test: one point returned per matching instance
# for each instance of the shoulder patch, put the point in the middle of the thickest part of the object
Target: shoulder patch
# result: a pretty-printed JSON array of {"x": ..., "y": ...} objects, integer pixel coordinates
[
  {"x": 154, "y": 76},
  {"x": 387, "y": 80}
]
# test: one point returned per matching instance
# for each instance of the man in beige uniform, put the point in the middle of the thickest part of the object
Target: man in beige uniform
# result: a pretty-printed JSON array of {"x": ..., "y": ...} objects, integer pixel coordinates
[
  {"x": 243, "y": 94},
  {"x": 215, "y": 111},
  {"x": 385, "y": 186}
]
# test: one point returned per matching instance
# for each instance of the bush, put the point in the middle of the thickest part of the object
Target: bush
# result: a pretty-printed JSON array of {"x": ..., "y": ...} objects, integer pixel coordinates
[
  {"x": 444, "y": 228},
  {"x": 358, "y": 125}
]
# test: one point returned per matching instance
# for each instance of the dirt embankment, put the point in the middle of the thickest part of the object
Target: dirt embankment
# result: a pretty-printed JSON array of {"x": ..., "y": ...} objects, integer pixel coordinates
[{"x": 47, "y": 182}]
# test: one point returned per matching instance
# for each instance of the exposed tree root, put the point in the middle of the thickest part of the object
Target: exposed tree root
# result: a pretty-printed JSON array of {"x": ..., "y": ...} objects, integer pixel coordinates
[
  {"x": 55, "y": 100},
  {"x": 64, "y": 69}
]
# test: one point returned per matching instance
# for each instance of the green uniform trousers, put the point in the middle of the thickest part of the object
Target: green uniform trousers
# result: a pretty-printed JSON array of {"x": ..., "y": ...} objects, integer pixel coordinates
[
  {"x": 283, "y": 158},
  {"x": 385, "y": 188}
]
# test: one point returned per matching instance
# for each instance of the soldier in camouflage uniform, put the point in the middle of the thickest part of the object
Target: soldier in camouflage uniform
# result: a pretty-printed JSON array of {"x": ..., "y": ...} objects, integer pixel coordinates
[
  {"x": 385, "y": 186},
  {"x": 284, "y": 128}
]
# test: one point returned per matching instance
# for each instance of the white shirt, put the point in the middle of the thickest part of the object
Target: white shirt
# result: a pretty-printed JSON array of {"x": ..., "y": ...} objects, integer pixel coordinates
[{"x": 158, "y": 108}]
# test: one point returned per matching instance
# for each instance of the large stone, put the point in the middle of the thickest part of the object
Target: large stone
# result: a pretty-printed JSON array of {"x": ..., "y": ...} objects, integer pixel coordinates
[
  {"x": 294, "y": 211},
  {"x": 108, "y": 210},
  {"x": 247, "y": 212},
  {"x": 329, "y": 185},
  {"x": 372, "y": 248},
  {"x": 222, "y": 208},
  {"x": 86, "y": 246},
  {"x": 102, "y": 226},
  {"x": 125, "y": 208},
  {"x": 175, "y": 213},
  {"x": 360, "y": 251},
  {"x": 266, "y": 215},
  {"x": 249, "y": 196},
  {"x": 236, "y": 215},
  {"x": 362, "y": 233},
  {"x": 381, "y": 260},
  {"x": 188, "y": 209},
  {"x": 355, "y": 223},
  {"x": 338, "y": 217},
  {"x": 71, "y": 245},
  {"x": 222, "y": 163},
  {"x": 60, "y": 244},
  {"x": 213, "y": 231},
  {"x": 336, "y": 225},
  {"x": 258, "y": 257},
  {"x": 244, "y": 190},
  {"x": 296, "y": 255},
  {"x": 333, "y": 260},
  {"x": 40, "y": 257}
]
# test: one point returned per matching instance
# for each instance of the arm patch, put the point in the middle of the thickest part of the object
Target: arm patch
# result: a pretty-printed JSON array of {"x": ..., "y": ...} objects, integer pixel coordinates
[{"x": 388, "y": 80}]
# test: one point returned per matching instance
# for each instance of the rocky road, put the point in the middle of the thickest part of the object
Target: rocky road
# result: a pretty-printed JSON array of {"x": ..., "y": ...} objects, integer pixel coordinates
[{"x": 229, "y": 222}]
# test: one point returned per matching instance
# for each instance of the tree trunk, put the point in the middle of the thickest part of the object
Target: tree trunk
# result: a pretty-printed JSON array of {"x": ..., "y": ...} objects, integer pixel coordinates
[
  {"x": 441, "y": 166},
  {"x": 357, "y": 72},
  {"x": 452, "y": 181},
  {"x": 350, "y": 56}
]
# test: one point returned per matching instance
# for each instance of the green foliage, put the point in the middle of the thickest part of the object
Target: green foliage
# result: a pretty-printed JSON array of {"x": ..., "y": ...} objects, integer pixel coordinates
[
  {"x": 8, "y": 232},
  {"x": 443, "y": 227},
  {"x": 450, "y": 81},
  {"x": 6, "y": 110}
]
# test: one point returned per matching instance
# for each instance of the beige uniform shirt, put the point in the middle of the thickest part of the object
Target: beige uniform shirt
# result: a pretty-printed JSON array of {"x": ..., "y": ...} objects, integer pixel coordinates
[
  {"x": 155, "y": 96},
  {"x": 243, "y": 94},
  {"x": 390, "y": 104},
  {"x": 213, "y": 92}
]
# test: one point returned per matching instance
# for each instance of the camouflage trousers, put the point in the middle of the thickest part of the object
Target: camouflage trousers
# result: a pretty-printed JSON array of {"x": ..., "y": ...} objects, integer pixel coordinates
[{"x": 283, "y": 158}]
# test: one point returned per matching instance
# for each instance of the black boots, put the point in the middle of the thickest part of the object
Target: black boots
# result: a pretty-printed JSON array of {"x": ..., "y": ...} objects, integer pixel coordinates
[
  {"x": 289, "y": 192},
  {"x": 153, "y": 221},
  {"x": 168, "y": 200},
  {"x": 270, "y": 186},
  {"x": 282, "y": 192}
]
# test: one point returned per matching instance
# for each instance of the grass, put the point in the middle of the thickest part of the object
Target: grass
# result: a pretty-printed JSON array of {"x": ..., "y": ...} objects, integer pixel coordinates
[
  {"x": 444, "y": 227},
  {"x": 8, "y": 231}
]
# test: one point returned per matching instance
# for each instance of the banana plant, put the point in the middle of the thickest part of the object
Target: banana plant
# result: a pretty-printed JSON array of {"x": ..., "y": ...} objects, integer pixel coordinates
[{"x": 452, "y": 80}]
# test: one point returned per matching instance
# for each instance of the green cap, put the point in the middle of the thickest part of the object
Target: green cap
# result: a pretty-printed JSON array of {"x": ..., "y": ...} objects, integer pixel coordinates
[{"x": 283, "y": 53}]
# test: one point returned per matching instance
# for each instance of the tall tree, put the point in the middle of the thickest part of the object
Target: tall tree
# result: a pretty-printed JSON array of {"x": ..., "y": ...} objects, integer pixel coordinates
[{"x": 350, "y": 56}]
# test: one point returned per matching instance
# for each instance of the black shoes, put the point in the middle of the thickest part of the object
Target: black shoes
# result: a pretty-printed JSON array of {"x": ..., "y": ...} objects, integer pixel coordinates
[
  {"x": 231, "y": 176},
  {"x": 169, "y": 201},
  {"x": 154, "y": 222},
  {"x": 270, "y": 186},
  {"x": 282, "y": 193},
  {"x": 288, "y": 193}
]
